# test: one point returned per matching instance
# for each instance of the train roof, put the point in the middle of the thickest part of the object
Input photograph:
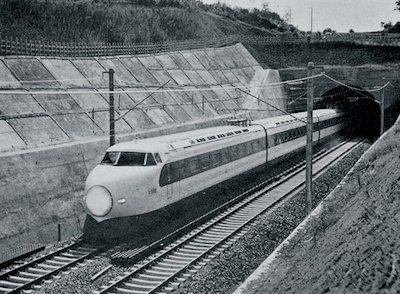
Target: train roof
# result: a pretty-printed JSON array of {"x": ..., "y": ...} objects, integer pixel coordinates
[
  {"x": 201, "y": 136},
  {"x": 180, "y": 140},
  {"x": 301, "y": 117}
]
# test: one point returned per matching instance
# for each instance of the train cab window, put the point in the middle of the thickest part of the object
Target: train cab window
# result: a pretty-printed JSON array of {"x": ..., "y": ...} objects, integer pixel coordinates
[
  {"x": 149, "y": 160},
  {"x": 110, "y": 158},
  {"x": 158, "y": 158},
  {"x": 131, "y": 159}
]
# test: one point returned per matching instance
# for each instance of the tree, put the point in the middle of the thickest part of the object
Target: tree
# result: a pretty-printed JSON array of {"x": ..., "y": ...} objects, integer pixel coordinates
[
  {"x": 265, "y": 6},
  {"x": 288, "y": 14},
  {"x": 398, "y": 5}
]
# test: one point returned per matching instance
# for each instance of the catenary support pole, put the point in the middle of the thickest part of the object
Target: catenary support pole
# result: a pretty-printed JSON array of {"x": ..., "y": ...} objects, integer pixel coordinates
[
  {"x": 382, "y": 104},
  {"x": 309, "y": 146},
  {"x": 112, "y": 118}
]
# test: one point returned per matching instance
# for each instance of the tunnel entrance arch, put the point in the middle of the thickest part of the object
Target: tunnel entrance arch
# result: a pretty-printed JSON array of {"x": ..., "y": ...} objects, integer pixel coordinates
[{"x": 361, "y": 105}]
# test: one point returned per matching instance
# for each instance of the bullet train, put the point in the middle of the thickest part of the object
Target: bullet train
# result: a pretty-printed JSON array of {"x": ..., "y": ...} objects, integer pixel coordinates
[{"x": 141, "y": 176}]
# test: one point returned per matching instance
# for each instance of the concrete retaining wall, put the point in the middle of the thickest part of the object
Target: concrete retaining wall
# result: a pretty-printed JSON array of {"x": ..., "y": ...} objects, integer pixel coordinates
[{"x": 49, "y": 142}]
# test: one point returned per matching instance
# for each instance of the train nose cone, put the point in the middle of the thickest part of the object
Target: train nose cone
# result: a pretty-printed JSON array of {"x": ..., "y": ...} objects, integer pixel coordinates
[{"x": 98, "y": 201}]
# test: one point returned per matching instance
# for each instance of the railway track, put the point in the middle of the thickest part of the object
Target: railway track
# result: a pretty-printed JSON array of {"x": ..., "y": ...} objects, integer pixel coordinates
[
  {"x": 163, "y": 271},
  {"x": 37, "y": 270}
]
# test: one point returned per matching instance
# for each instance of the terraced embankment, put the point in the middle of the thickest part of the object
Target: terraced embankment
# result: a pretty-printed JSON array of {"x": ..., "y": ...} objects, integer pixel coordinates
[{"x": 54, "y": 122}]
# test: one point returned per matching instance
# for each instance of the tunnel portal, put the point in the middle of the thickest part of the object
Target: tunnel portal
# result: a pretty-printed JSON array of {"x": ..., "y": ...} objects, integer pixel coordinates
[{"x": 360, "y": 104}]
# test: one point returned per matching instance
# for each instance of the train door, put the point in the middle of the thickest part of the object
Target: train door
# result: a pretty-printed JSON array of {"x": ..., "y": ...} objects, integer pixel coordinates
[
  {"x": 266, "y": 145},
  {"x": 173, "y": 178}
]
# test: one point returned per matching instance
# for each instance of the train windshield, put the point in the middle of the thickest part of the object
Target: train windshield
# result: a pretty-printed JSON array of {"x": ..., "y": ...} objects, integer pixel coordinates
[{"x": 128, "y": 159}]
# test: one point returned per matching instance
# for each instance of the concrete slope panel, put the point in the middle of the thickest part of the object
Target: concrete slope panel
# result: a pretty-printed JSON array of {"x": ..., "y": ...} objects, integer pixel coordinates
[
  {"x": 65, "y": 72},
  {"x": 213, "y": 100},
  {"x": 7, "y": 79},
  {"x": 194, "y": 111},
  {"x": 142, "y": 96},
  {"x": 138, "y": 120},
  {"x": 217, "y": 59},
  {"x": 173, "y": 105},
  {"x": 38, "y": 130},
  {"x": 230, "y": 76},
  {"x": 207, "y": 77},
  {"x": 235, "y": 94},
  {"x": 270, "y": 94},
  {"x": 89, "y": 101},
  {"x": 219, "y": 77},
  {"x": 224, "y": 55},
  {"x": 192, "y": 59},
  {"x": 244, "y": 74},
  {"x": 57, "y": 102},
  {"x": 31, "y": 73},
  {"x": 19, "y": 104},
  {"x": 150, "y": 62},
  {"x": 194, "y": 77},
  {"x": 179, "y": 60},
  {"x": 166, "y": 61},
  {"x": 178, "y": 113},
  {"x": 205, "y": 108},
  {"x": 122, "y": 77},
  {"x": 102, "y": 120},
  {"x": 159, "y": 116},
  {"x": 235, "y": 57},
  {"x": 163, "y": 77},
  {"x": 188, "y": 99},
  {"x": 245, "y": 54},
  {"x": 138, "y": 70},
  {"x": 180, "y": 77},
  {"x": 226, "y": 99},
  {"x": 9, "y": 138},
  {"x": 78, "y": 125},
  {"x": 166, "y": 98},
  {"x": 205, "y": 60},
  {"x": 93, "y": 71},
  {"x": 121, "y": 100}
]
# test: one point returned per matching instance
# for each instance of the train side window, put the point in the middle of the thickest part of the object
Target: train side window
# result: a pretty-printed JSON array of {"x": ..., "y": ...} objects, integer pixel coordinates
[
  {"x": 158, "y": 158},
  {"x": 205, "y": 161},
  {"x": 150, "y": 159},
  {"x": 241, "y": 150},
  {"x": 216, "y": 158},
  {"x": 185, "y": 166},
  {"x": 234, "y": 152},
  {"x": 249, "y": 148},
  {"x": 194, "y": 165},
  {"x": 255, "y": 146},
  {"x": 176, "y": 171}
]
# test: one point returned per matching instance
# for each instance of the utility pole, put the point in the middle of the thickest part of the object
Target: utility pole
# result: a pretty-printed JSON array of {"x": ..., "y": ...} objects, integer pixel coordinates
[
  {"x": 112, "y": 118},
  {"x": 382, "y": 110},
  {"x": 309, "y": 146}
]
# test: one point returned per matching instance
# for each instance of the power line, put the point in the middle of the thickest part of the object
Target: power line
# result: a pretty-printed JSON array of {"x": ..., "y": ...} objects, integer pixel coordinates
[{"x": 189, "y": 89}]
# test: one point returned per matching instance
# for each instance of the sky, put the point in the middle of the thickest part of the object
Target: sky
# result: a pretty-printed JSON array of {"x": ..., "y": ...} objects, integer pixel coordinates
[{"x": 339, "y": 15}]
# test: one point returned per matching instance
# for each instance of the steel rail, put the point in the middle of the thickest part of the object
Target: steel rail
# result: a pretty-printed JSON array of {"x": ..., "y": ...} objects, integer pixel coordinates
[{"x": 210, "y": 239}]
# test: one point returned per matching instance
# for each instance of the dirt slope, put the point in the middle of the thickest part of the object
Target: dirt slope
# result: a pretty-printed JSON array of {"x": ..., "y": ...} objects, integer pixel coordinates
[{"x": 353, "y": 245}]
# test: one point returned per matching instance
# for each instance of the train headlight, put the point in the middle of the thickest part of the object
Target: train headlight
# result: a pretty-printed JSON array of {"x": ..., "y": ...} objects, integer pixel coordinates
[{"x": 99, "y": 201}]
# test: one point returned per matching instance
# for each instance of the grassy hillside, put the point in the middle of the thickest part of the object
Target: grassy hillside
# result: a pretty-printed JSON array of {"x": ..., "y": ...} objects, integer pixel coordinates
[
  {"x": 338, "y": 53},
  {"x": 124, "y": 21}
]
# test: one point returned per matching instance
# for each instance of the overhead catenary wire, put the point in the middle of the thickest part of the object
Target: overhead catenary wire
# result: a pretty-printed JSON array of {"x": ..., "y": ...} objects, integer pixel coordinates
[
  {"x": 358, "y": 89},
  {"x": 182, "y": 89}
]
